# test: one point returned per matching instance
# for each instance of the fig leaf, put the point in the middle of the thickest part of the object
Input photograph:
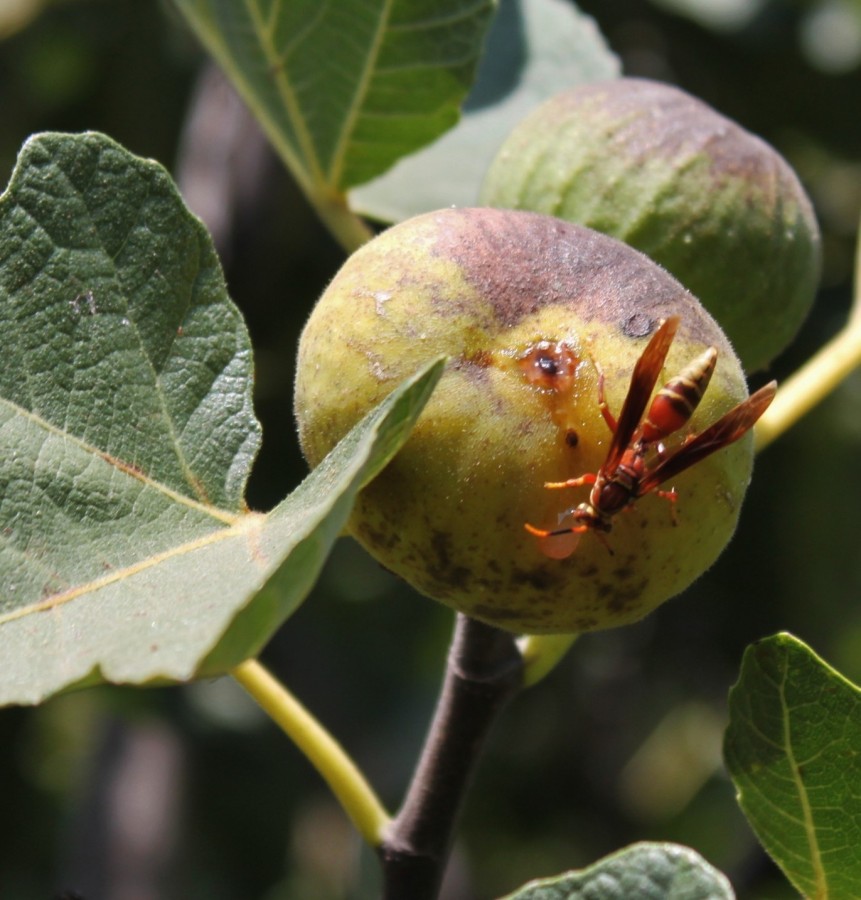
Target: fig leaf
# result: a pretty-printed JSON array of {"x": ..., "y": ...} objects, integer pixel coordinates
[
  {"x": 343, "y": 89},
  {"x": 792, "y": 749},
  {"x": 532, "y": 48},
  {"x": 127, "y": 434},
  {"x": 648, "y": 871}
]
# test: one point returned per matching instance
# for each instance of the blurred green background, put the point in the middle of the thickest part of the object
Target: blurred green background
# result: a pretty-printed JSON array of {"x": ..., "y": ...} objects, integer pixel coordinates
[{"x": 191, "y": 793}]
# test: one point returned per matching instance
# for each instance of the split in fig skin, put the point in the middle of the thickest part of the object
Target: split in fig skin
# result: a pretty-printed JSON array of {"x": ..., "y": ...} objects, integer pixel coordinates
[{"x": 522, "y": 304}]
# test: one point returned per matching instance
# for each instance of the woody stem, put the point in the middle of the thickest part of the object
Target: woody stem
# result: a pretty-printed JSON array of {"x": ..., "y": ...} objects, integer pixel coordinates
[{"x": 484, "y": 671}]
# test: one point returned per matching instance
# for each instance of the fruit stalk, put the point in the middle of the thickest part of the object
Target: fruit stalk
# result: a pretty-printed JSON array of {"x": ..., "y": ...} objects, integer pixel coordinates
[
  {"x": 483, "y": 672},
  {"x": 811, "y": 384},
  {"x": 323, "y": 752}
]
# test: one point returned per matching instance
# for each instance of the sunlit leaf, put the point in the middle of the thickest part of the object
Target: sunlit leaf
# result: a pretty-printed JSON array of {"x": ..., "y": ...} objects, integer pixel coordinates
[
  {"x": 346, "y": 87},
  {"x": 127, "y": 433},
  {"x": 646, "y": 871},
  {"x": 793, "y": 749},
  {"x": 535, "y": 49}
]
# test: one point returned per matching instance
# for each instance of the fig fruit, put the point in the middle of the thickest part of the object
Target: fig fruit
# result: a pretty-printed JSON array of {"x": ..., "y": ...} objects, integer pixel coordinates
[
  {"x": 528, "y": 309},
  {"x": 662, "y": 171}
]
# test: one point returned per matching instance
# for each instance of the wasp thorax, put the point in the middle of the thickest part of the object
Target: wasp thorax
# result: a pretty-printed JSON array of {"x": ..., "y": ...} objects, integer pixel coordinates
[{"x": 543, "y": 323}]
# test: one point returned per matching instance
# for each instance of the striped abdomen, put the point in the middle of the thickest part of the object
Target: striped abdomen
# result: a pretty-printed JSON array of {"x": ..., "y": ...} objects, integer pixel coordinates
[{"x": 676, "y": 401}]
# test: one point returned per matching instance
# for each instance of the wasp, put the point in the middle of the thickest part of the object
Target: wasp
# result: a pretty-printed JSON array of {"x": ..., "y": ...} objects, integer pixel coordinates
[{"x": 637, "y": 461}]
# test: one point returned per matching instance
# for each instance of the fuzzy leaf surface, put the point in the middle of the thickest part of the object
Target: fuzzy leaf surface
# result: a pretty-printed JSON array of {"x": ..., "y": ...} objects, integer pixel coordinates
[
  {"x": 345, "y": 88},
  {"x": 793, "y": 749},
  {"x": 648, "y": 871},
  {"x": 127, "y": 433}
]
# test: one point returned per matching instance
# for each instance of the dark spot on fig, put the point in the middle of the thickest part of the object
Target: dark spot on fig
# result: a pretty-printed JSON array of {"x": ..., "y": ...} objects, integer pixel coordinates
[
  {"x": 474, "y": 369},
  {"x": 484, "y": 359},
  {"x": 457, "y": 577},
  {"x": 623, "y": 600},
  {"x": 495, "y": 613},
  {"x": 441, "y": 545},
  {"x": 543, "y": 578},
  {"x": 441, "y": 568},
  {"x": 572, "y": 439},
  {"x": 639, "y": 325},
  {"x": 606, "y": 590},
  {"x": 376, "y": 538}
]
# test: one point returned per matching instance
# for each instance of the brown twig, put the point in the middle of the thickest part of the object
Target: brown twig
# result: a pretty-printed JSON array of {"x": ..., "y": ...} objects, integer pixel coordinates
[{"x": 484, "y": 671}]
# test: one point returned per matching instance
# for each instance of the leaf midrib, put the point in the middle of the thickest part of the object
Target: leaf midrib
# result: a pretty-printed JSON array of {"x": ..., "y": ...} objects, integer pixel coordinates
[
  {"x": 243, "y": 525},
  {"x": 324, "y": 178},
  {"x": 72, "y": 187},
  {"x": 803, "y": 798},
  {"x": 219, "y": 515}
]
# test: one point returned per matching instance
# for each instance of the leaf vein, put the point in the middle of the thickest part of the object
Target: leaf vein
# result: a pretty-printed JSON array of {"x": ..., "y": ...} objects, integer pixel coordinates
[
  {"x": 363, "y": 84},
  {"x": 56, "y": 600},
  {"x": 126, "y": 468}
]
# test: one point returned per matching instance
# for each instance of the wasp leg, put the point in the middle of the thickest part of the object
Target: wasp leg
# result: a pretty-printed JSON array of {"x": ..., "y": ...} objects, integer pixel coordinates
[
  {"x": 671, "y": 496},
  {"x": 609, "y": 418},
  {"x": 603, "y": 539},
  {"x": 559, "y": 543},
  {"x": 555, "y": 532},
  {"x": 588, "y": 478}
]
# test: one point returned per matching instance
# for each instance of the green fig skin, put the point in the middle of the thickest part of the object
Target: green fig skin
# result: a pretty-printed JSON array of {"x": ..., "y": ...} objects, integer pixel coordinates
[
  {"x": 484, "y": 287},
  {"x": 662, "y": 171}
]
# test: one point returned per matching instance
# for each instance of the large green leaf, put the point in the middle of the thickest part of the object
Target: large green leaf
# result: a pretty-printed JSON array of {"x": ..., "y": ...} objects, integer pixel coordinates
[
  {"x": 126, "y": 436},
  {"x": 646, "y": 871},
  {"x": 793, "y": 749},
  {"x": 535, "y": 49},
  {"x": 344, "y": 88},
  {"x": 117, "y": 335}
]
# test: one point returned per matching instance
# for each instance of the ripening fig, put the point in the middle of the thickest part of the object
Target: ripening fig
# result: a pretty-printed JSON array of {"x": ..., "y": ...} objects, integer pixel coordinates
[
  {"x": 532, "y": 312},
  {"x": 662, "y": 171}
]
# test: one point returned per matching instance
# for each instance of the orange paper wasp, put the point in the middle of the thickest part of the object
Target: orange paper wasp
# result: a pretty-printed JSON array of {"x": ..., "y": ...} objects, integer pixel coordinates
[{"x": 637, "y": 462}]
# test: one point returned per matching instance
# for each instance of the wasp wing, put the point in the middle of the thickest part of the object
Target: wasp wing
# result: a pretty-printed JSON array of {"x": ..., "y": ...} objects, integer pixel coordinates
[
  {"x": 725, "y": 431},
  {"x": 643, "y": 380}
]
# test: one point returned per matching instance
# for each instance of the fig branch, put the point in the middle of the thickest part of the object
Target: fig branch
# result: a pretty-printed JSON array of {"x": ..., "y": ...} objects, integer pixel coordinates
[
  {"x": 483, "y": 672},
  {"x": 818, "y": 377},
  {"x": 814, "y": 381}
]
